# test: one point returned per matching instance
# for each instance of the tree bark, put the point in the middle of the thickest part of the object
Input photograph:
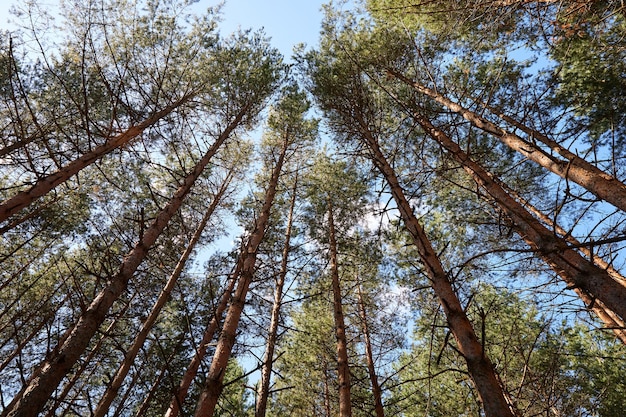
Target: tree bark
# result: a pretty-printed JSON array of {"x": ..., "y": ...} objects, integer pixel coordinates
[
  {"x": 343, "y": 370},
  {"x": 131, "y": 353},
  {"x": 272, "y": 334},
  {"x": 479, "y": 366},
  {"x": 78, "y": 374},
  {"x": 572, "y": 167},
  {"x": 49, "y": 182},
  {"x": 577, "y": 271},
  {"x": 50, "y": 372},
  {"x": 610, "y": 319},
  {"x": 192, "y": 369},
  {"x": 215, "y": 378}
]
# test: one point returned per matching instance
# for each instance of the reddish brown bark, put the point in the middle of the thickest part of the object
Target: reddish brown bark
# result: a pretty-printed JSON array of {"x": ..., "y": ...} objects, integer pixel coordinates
[
  {"x": 51, "y": 371},
  {"x": 131, "y": 353},
  {"x": 272, "y": 334},
  {"x": 610, "y": 319},
  {"x": 572, "y": 167},
  {"x": 577, "y": 271},
  {"x": 479, "y": 366},
  {"x": 78, "y": 374},
  {"x": 214, "y": 383},
  {"x": 192, "y": 369},
  {"x": 49, "y": 182},
  {"x": 343, "y": 370}
]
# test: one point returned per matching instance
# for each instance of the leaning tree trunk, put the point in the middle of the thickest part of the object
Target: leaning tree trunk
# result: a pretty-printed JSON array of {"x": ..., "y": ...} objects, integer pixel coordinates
[
  {"x": 574, "y": 168},
  {"x": 480, "y": 368},
  {"x": 272, "y": 334},
  {"x": 180, "y": 394},
  {"x": 577, "y": 271},
  {"x": 47, "y": 376},
  {"x": 343, "y": 370},
  {"x": 78, "y": 373},
  {"x": 214, "y": 383},
  {"x": 49, "y": 182},
  {"x": 610, "y": 319},
  {"x": 138, "y": 342}
]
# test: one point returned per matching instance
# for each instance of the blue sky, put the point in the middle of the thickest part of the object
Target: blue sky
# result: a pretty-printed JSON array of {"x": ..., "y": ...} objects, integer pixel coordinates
[{"x": 287, "y": 22}]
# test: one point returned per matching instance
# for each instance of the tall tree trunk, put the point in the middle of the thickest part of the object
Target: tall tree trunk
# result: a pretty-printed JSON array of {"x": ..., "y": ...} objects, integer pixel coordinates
[
  {"x": 577, "y": 271},
  {"x": 180, "y": 394},
  {"x": 49, "y": 182},
  {"x": 78, "y": 374},
  {"x": 138, "y": 342},
  {"x": 610, "y": 319},
  {"x": 50, "y": 372},
  {"x": 369, "y": 356},
  {"x": 479, "y": 366},
  {"x": 215, "y": 378},
  {"x": 574, "y": 168},
  {"x": 343, "y": 370},
  {"x": 272, "y": 334}
]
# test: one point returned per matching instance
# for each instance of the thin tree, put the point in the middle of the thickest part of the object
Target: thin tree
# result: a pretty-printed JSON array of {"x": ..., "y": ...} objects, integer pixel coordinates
[
  {"x": 369, "y": 355},
  {"x": 213, "y": 385},
  {"x": 131, "y": 353},
  {"x": 343, "y": 369},
  {"x": 180, "y": 393},
  {"x": 263, "y": 388},
  {"x": 46, "y": 184}
]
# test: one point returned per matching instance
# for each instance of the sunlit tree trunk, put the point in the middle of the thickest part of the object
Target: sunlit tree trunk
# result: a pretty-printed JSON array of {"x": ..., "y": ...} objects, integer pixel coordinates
[
  {"x": 480, "y": 368},
  {"x": 47, "y": 376},
  {"x": 78, "y": 374},
  {"x": 577, "y": 271},
  {"x": 573, "y": 167},
  {"x": 181, "y": 392},
  {"x": 49, "y": 182},
  {"x": 138, "y": 342},
  {"x": 608, "y": 317},
  {"x": 272, "y": 334},
  {"x": 214, "y": 381},
  {"x": 343, "y": 370}
]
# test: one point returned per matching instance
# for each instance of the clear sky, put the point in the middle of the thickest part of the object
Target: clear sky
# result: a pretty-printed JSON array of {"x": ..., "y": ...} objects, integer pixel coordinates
[{"x": 286, "y": 22}]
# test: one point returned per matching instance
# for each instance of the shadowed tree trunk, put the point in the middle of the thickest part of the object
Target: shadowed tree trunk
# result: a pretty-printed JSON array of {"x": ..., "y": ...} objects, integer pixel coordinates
[{"x": 369, "y": 356}]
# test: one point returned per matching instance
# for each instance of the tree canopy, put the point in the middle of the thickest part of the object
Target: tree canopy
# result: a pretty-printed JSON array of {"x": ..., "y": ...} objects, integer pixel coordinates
[{"x": 422, "y": 215}]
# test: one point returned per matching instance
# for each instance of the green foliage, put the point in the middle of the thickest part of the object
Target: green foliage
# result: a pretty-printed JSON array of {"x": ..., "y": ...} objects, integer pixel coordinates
[
  {"x": 235, "y": 399},
  {"x": 544, "y": 365},
  {"x": 590, "y": 50}
]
